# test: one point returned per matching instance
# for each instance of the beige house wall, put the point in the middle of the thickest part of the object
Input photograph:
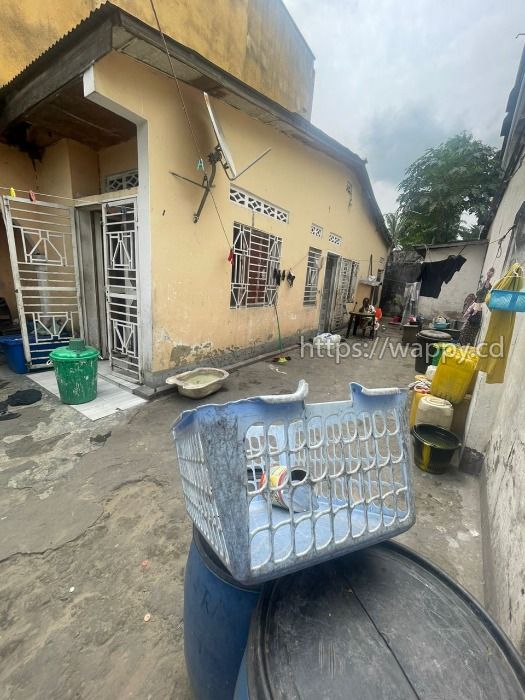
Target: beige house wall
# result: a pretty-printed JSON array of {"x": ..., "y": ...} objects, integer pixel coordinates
[
  {"x": 117, "y": 159},
  {"x": 255, "y": 40},
  {"x": 190, "y": 274},
  {"x": 496, "y": 434},
  {"x": 84, "y": 169}
]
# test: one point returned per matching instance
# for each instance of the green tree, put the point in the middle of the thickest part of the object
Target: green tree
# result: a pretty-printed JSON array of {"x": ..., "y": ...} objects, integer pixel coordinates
[
  {"x": 461, "y": 175},
  {"x": 394, "y": 224}
]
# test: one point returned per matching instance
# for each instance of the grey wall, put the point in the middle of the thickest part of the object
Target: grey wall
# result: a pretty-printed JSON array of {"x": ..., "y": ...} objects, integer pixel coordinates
[
  {"x": 402, "y": 266},
  {"x": 496, "y": 434},
  {"x": 466, "y": 281}
]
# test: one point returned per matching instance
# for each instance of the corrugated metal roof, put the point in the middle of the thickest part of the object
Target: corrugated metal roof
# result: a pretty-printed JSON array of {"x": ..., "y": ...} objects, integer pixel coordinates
[
  {"x": 106, "y": 8},
  {"x": 231, "y": 89}
]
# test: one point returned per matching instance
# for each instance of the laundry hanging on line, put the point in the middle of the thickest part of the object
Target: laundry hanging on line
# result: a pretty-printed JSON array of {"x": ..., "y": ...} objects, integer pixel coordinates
[{"x": 433, "y": 274}]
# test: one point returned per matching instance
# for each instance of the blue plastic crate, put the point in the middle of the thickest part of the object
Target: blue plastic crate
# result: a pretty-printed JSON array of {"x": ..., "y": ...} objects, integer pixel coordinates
[
  {"x": 503, "y": 300},
  {"x": 353, "y": 486}
]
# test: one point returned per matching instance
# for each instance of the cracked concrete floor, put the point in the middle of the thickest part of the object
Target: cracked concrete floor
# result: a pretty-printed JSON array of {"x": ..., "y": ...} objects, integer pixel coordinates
[{"x": 83, "y": 504}]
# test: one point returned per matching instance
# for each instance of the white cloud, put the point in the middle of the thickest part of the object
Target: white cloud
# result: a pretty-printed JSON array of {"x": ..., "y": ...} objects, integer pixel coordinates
[
  {"x": 394, "y": 77},
  {"x": 386, "y": 195}
]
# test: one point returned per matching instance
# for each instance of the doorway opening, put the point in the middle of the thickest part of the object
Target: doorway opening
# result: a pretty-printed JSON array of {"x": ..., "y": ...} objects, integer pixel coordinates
[
  {"x": 107, "y": 235},
  {"x": 339, "y": 284}
]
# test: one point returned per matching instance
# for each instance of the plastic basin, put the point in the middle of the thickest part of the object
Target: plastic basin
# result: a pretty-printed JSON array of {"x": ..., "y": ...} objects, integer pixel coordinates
[{"x": 198, "y": 383}]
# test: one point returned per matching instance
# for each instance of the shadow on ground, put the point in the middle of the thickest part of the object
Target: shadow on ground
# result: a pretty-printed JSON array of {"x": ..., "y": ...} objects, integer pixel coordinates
[{"x": 83, "y": 504}]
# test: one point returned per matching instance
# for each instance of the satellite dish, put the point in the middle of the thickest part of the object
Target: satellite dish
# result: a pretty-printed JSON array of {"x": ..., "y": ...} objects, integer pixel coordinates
[
  {"x": 220, "y": 154},
  {"x": 221, "y": 139},
  {"x": 227, "y": 158}
]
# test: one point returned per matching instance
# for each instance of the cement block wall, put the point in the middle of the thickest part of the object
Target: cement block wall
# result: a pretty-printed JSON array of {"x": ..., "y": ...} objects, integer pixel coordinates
[
  {"x": 495, "y": 435},
  {"x": 466, "y": 281}
]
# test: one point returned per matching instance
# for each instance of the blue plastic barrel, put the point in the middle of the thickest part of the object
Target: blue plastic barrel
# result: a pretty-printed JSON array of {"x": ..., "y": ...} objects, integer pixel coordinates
[
  {"x": 13, "y": 349},
  {"x": 217, "y": 613},
  {"x": 380, "y": 624}
]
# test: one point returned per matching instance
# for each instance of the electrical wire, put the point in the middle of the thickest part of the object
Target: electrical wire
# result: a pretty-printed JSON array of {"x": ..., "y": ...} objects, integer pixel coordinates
[{"x": 184, "y": 108}]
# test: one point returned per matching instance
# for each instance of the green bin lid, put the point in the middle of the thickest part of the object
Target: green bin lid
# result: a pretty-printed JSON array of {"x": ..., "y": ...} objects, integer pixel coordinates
[{"x": 76, "y": 350}]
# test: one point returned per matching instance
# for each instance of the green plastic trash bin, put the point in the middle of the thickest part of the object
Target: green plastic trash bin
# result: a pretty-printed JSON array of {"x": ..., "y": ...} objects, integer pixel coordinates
[{"x": 76, "y": 371}]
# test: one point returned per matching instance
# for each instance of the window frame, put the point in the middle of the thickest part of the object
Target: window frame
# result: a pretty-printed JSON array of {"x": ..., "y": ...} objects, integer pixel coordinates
[{"x": 256, "y": 256}]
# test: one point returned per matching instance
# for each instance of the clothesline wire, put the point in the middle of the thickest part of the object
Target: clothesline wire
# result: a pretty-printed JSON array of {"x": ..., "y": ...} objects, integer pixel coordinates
[
  {"x": 186, "y": 114},
  {"x": 52, "y": 196}
]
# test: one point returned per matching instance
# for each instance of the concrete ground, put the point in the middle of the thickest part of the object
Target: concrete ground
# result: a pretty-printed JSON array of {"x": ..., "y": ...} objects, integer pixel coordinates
[{"x": 83, "y": 504}]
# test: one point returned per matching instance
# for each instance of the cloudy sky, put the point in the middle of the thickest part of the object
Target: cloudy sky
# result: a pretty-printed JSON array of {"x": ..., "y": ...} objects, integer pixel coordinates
[{"x": 394, "y": 77}]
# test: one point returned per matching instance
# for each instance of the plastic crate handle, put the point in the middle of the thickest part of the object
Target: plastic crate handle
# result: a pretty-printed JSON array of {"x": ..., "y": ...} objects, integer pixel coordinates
[{"x": 299, "y": 395}]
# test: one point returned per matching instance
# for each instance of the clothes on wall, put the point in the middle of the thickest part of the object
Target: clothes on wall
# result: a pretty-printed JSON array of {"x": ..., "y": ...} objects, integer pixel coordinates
[
  {"x": 434, "y": 274},
  {"x": 500, "y": 330}
]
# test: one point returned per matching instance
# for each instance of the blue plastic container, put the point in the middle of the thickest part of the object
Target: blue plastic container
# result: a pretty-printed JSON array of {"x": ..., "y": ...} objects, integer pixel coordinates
[
  {"x": 217, "y": 614},
  {"x": 506, "y": 300},
  {"x": 379, "y": 624},
  {"x": 13, "y": 349}
]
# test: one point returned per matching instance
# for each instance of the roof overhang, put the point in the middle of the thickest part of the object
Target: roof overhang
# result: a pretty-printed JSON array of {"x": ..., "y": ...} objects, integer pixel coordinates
[
  {"x": 111, "y": 29},
  {"x": 422, "y": 249}
]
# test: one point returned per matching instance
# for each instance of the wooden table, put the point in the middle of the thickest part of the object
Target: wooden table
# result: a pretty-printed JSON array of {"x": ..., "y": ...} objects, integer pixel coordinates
[{"x": 356, "y": 316}]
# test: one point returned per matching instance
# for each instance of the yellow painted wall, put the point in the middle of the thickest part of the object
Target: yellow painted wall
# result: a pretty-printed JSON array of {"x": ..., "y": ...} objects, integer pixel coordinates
[
  {"x": 16, "y": 170},
  {"x": 53, "y": 173},
  {"x": 84, "y": 169},
  {"x": 255, "y": 40},
  {"x": 117, "y": 159},
  {"x": 190, "y": 272}
]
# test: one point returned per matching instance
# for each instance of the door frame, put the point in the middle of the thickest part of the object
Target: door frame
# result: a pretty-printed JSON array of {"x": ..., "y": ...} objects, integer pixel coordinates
[
  {"x": 107, "y": 286},
  {"x": 325, "y": 312},
  {"x": 96, "y": 203}
]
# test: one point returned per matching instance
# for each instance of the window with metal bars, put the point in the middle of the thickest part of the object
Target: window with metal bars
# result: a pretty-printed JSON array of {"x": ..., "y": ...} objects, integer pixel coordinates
[
  {"x": 312, "y": 277},
  {"x": 122, "y": 181},
  {"x": 256, "y": 258}
]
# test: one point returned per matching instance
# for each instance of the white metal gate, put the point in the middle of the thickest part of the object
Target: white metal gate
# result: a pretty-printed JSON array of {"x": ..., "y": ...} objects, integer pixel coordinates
[
  {"x": 342, "y": 286},
  {"x": 121, "y": 287},
  {"x": 42, "y": 248},
  {"x": 338, "y": 290}
]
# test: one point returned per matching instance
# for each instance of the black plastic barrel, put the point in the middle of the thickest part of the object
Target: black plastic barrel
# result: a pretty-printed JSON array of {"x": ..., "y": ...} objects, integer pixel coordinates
[
  {"x": 422, "y": 349},
  {"x": 217, "y": 613},
  {"x": 380, "y": 624}
]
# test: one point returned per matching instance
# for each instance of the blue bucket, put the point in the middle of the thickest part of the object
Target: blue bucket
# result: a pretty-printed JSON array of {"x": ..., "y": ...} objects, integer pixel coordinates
[
  {"x": 217, "y": 614},
  {"x": 13, "y": 349}
]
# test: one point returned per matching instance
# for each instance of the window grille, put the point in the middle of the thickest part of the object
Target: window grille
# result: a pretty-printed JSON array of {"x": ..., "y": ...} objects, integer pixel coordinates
[
  {"x": 250, "y": 201},
  {"x": 256, "y": 258},
  {"x": 335, "y": 239},
  {"x": 312, "y": 277},
  {"x": 316, "y": 231},
  {"x": 122, "y": 181}
]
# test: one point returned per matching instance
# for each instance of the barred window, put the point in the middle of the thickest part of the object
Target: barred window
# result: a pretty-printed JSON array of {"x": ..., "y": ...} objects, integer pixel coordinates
[
  {"x": 256, "y": 258},
  {"x": 250, "y": 201},
  {"x": 122, "y": 181},
  {"x": 312, "y": 277},
  {"x": 335, "y": 239},
  {"x": 316, "y": 231}
]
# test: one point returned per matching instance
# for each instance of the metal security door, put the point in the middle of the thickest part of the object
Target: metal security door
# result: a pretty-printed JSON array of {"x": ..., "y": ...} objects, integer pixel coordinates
[
  {"x": 342, "y": 285},
  {"x": 328, "y": 292},
  {"x": 42, "y": 248},
  {"x": 119, "y": 221}
]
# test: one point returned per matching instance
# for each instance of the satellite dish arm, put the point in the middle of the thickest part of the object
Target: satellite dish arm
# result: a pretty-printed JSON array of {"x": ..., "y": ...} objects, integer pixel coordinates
[
  {"x": 207, "y": 184},
  {"x": 226, "y": 168}
]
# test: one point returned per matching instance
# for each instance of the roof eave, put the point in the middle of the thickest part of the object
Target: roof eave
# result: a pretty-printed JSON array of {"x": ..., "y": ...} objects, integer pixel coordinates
[{"x": 94, "y": 37}]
